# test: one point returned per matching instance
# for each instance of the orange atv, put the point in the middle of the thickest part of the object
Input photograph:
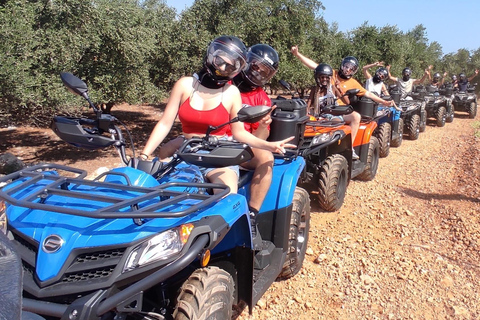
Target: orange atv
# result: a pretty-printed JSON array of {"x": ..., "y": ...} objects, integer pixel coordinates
[{"x": 326, "y": 146}]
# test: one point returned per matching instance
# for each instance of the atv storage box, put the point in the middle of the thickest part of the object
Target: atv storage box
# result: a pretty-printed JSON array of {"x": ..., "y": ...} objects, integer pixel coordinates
[
  {"x": 419, "y": 93},
  {"x": 396, "y": 95},
  {"x": 366, "y": 107},
  {"x": 288, "y": 119},
  {"x": 446, "y": 91}
]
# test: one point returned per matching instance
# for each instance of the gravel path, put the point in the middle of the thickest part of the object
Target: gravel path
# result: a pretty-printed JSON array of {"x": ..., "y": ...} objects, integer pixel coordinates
[{"x": 404, "y": 246}]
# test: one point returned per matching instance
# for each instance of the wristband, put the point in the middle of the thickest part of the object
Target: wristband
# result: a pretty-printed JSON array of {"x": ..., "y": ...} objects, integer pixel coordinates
[{"x": 144, "y": 155}]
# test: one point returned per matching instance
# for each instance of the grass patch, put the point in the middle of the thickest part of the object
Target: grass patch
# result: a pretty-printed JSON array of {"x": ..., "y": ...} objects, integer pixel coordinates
[{"x": 476, "y": 126}]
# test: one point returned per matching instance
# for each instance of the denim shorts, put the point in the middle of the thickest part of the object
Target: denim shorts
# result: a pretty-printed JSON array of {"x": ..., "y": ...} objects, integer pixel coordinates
[{"x": 331, "y": 117}]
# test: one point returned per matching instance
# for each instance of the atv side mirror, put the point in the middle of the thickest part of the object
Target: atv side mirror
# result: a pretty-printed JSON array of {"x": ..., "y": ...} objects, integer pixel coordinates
[
  {"x": 246, "y": 114},
  {"x": 74, "y": 84},
  {"x": 352, "y": 92},
  {"x": 252, "y": 114},
  {"x": 78, "y": 87},
  {"x": 285, "y": 84}
]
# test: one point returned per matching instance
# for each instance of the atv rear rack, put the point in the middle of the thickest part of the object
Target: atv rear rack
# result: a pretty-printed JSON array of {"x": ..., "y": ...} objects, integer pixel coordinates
[{"x": 42, "y": 187}]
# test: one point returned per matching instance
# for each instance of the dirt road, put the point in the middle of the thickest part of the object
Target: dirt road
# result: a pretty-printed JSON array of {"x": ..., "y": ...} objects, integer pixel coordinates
[{"x": 404, "y": 246}]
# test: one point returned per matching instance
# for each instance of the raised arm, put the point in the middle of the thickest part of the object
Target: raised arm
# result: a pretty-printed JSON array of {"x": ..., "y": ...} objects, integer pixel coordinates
[
  {"x": 473, "y": 76},
  {"x": 425, "y": 74},
  {"x": 395, "y": 79},
  {"x": 368, "y": 66},
  {"x": 309, "y": 63}
]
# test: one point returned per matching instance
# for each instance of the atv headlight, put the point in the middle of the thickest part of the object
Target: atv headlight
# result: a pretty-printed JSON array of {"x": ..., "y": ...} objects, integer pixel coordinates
[
  {"x": 412, "y": 107},
  {"x": 321, "y": 138},
  {"x": 3, "y": 217},
  {"x": 160, "y": 247}
]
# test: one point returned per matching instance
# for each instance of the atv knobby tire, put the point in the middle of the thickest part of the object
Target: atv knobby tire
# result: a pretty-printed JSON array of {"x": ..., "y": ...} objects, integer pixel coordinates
[
  {"x": 372, "y": 161},
  {"x": 397, "y": 142},
  {"x": 413, "y": 127},
  {"x": 450, "y": 112},
  {"x": 333, "y": 182},
  {"x": 298, "y": 235},
  {"x": 423, "y": 120},
  {"x": 441, "y": 116},
  {"x": 206, "y": 294},
  {"x": 384, "y": 134},
  {"x": 472, "y": 110}
]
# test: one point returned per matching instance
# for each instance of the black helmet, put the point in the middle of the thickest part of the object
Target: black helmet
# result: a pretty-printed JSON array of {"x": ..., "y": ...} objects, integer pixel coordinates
[
  {"x": 436, "y": 77},
  {"x": 462, "y": 77},
  {"x": 262, "y": 64},
  {"x": 380, "y": 75},
  {"x": 348, "y": 67},
  {"x": 322, "y": 69},
  {"x": 406, "y": 73},
  {"x": 225, "y": 58}
]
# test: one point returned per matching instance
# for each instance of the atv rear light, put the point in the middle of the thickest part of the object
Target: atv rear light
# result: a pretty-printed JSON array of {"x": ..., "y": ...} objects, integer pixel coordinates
[
  {"x": 160, "y": 247},
  {"x": 321, "y": 138},
  {"x": 3, "y": 217}
]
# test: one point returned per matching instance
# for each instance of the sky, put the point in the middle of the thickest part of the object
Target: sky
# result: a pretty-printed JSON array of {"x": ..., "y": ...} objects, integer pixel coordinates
[{"x": 454, "y": 24}]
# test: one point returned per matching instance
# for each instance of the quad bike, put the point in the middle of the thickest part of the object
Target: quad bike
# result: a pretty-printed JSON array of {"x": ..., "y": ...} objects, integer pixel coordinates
[
  {"x": 437, "y": 106},
  {"x": 466, "y": 101},
  {"x": 446, "y": 90},
  {"x": 327, "y": 147},
  {"x": 392, "y": 122},
  {"x": 150, "y": 240},
  {"x": 413, "y": 115}
]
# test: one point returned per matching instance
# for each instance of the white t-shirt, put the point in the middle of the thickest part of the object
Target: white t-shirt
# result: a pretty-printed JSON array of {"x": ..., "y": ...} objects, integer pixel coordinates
[
  {"x": 405, "y": 87},
  {"x": 374, "y": 87}
]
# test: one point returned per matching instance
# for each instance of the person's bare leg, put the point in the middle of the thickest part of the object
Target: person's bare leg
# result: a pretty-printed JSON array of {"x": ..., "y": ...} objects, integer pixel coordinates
[
  {"x": 353, "y": 119},
  {"x": 224, "y": 176},
  {"x": 262, "y": 164}
]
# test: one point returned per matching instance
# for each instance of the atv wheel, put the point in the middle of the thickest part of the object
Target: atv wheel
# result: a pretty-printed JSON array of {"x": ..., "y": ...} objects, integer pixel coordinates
[
  {"x": 472, "y": 110},
  {"x": 450, "y": 113},
  {"x": 207, "y": 294},
  {"x": 398, "y": 140},
  {"x": 384, "y": 135},
  {"x": 441, "y": 116},
  {"x": 413, "y": 127},
  {"x": 333, "y": 182},
  {"x": 423, "y": 121},
  {"x": 372, "y": 161},
  {"x": 298, "y": 235}
]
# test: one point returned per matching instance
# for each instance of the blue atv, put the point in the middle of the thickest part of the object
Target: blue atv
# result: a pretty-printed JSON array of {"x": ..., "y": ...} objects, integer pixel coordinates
[{"x": 150, "y": 240}]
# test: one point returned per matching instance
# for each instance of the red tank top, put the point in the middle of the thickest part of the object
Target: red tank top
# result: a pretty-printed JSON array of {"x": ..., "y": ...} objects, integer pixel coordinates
[{"x": 197, "y": 121}]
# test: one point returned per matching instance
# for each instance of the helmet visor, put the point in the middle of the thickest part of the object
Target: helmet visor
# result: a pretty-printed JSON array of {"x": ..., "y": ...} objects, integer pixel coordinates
[
  {"x": 227, "y": 62},
  {"x": 349, "y": 68},
  {"x": 258, "y": 70}
]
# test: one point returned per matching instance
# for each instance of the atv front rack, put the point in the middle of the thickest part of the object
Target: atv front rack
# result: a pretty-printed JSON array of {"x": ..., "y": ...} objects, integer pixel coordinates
[{"x": 41, "y": 187}]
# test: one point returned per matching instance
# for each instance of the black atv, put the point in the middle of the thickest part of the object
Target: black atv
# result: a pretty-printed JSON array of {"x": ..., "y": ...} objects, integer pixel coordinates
[
  {"x": 414, "y": 116},
  {"x": 466, "y": 101},
  {"x": 437, "y": 106}
]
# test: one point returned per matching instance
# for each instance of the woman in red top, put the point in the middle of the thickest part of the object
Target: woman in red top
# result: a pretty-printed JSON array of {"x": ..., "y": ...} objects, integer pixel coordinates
[{"x": 207, "y": 99}]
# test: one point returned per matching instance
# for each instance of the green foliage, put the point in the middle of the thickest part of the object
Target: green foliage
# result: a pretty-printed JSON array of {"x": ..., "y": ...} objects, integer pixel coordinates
[{"x": 133, "y": 51}]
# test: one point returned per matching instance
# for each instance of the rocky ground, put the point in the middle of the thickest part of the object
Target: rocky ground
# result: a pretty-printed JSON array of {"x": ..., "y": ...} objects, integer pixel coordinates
[{"x": 404, "y": 246}]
